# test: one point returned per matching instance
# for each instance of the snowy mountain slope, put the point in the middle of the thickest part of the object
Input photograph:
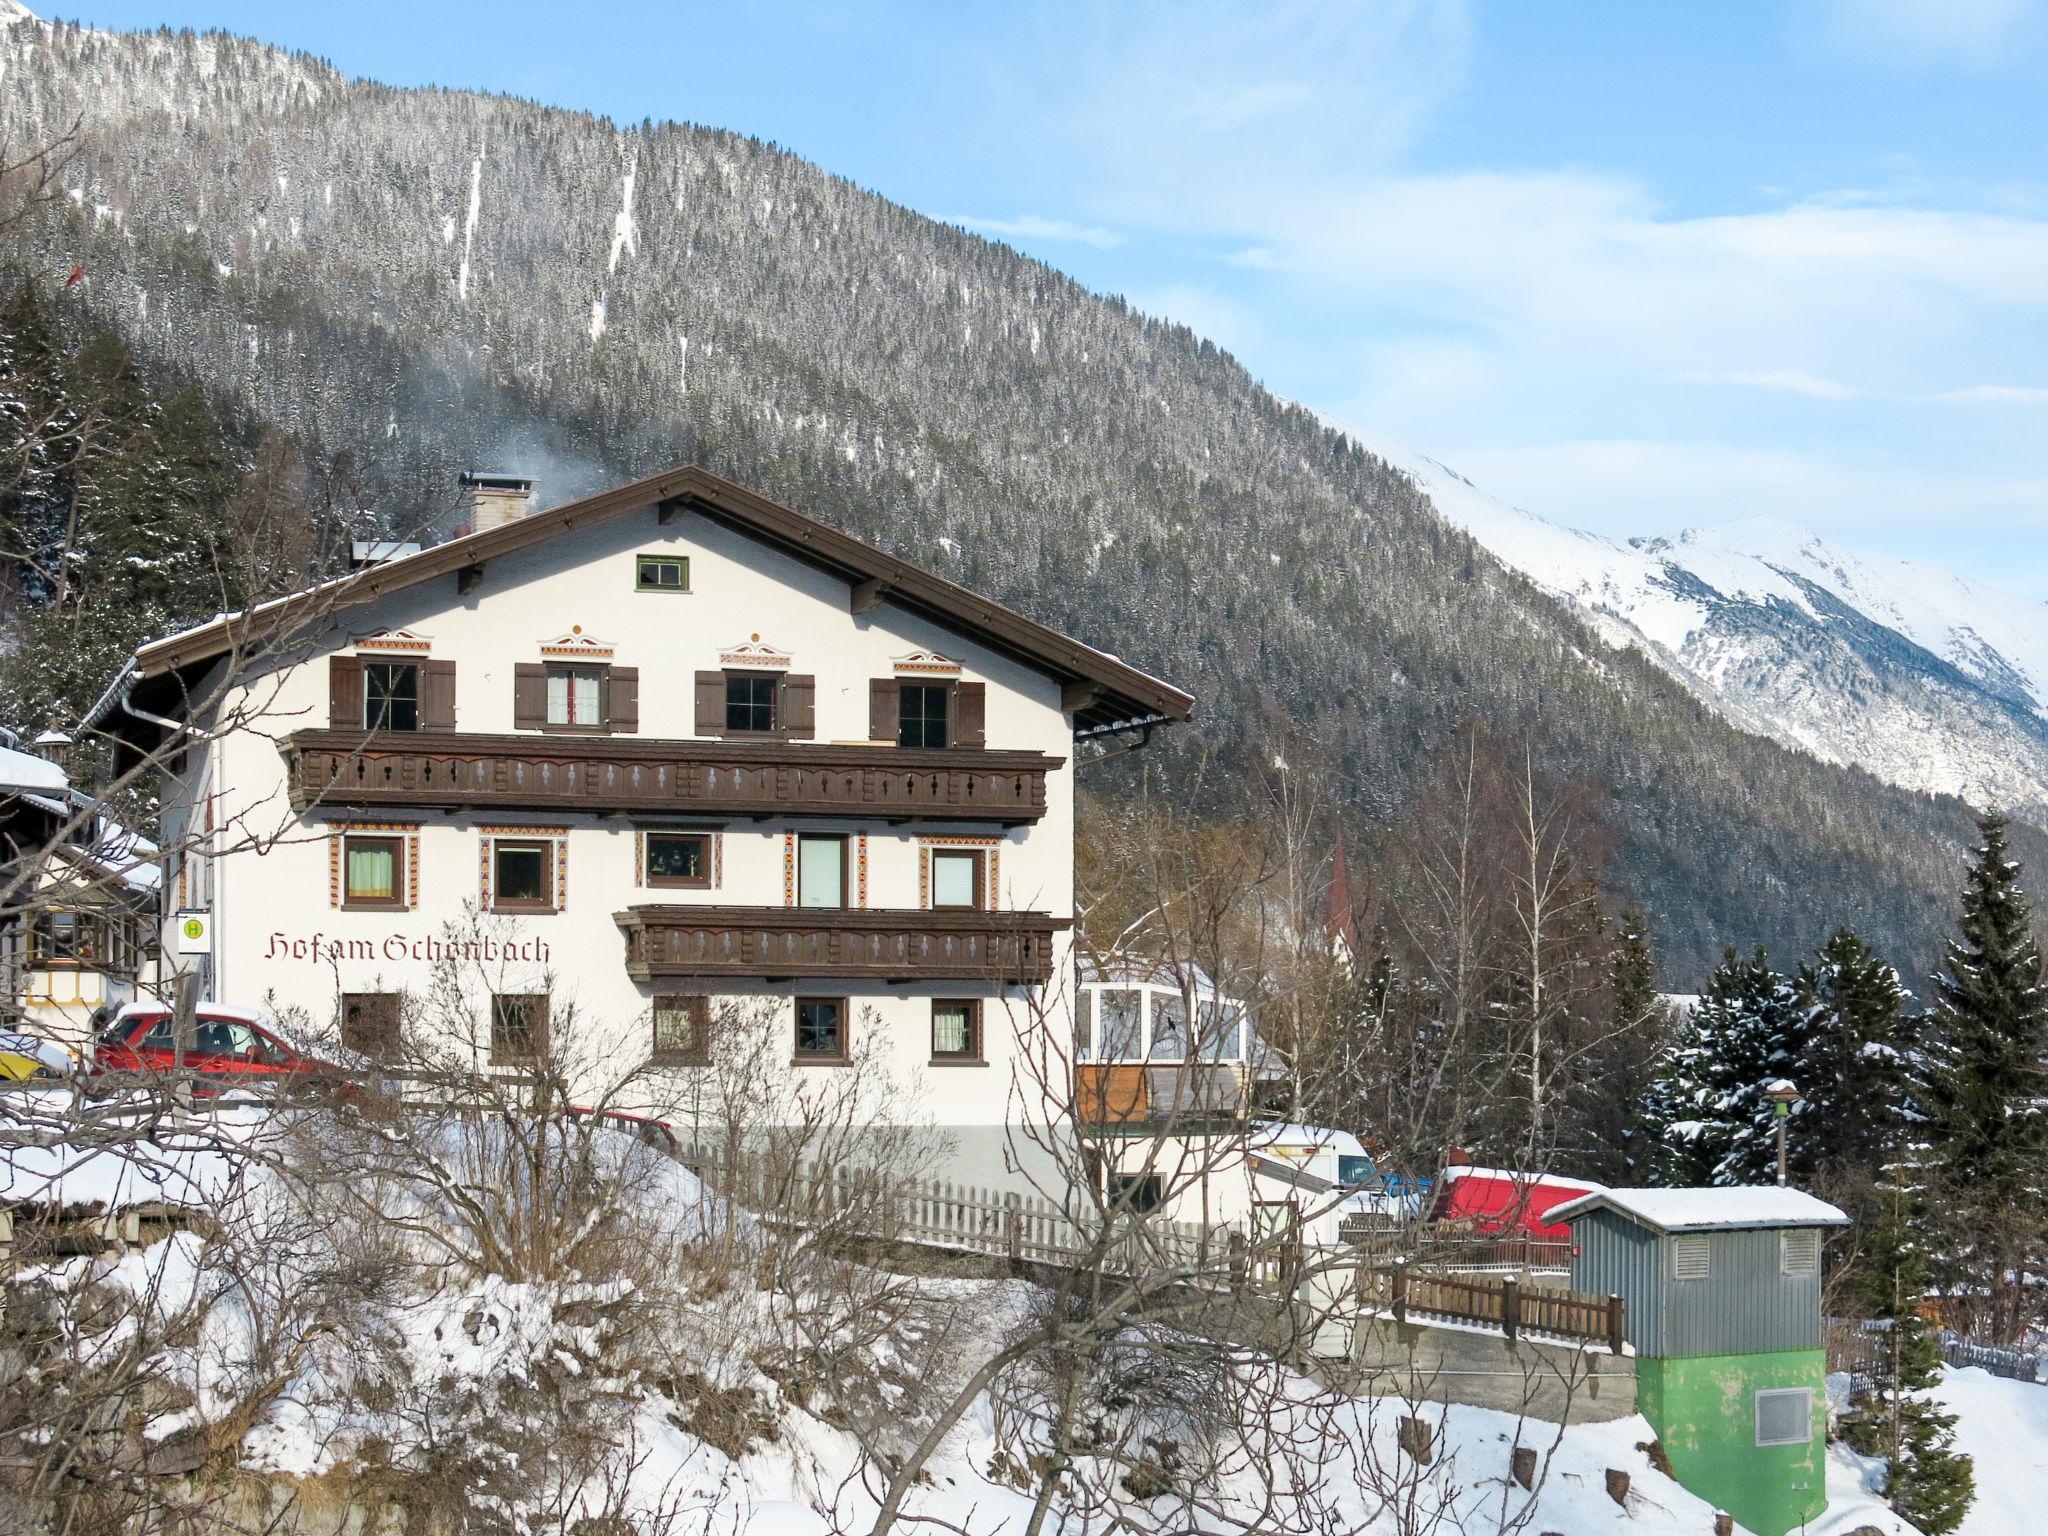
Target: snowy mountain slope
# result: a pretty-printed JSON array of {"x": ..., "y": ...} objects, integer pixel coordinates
[{"x": 1925, "y": 679}]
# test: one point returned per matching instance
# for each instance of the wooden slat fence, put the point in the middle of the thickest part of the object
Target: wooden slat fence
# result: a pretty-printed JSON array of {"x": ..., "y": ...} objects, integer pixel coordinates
[
  {"x": 944, "y": 1214},
  {"x": 2013, "y": 1364},
  {"x": 1455, "y": 1245},
  {"x": 1502, "y": 1303}
]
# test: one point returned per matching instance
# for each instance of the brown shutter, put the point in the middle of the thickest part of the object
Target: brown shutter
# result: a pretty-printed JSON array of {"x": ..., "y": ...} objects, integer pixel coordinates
[
  {"x": 710, "y": 703},
  {"x": 799, "y": 711},
  {"x": 970, "y": 715},
  {"x": 529, "y": 696},
  {"x": 344, "y": 693},
  {"x": 437, "y": 696},
  {"x": 624, "y": 703},
  {"x": 885, "y": 722}
]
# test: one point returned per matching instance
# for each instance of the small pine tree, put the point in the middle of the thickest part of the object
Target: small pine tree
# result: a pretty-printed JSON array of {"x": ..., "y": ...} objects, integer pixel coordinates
[
  {"x": 1988, "y": 1050},
  {"x": 1926, "y": 1479},
  {"x": 1854, "y": 1062},
  {"x": 1713, "y": 1122}
]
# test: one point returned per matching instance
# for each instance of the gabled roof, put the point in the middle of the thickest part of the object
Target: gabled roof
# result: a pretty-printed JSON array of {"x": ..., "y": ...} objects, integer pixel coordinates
[
  {"x": 1102, "y": 692},
  {"x": 1709, "y": 1210}
]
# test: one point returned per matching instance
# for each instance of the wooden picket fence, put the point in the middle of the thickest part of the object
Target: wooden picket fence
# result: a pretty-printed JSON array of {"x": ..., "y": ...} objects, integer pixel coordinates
[
  {"x": 1454, "y": 1245},
  {"x": 2013, "y": 1364},
  {"x": 1503, "y": 1303},
  {"x": 938, "y": 1212}
]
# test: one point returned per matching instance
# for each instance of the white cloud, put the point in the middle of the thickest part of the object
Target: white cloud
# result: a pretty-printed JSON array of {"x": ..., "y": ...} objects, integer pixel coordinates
[
  {"x": 1917, "y": 34},
  {"x": 1996, "y": 394},
  {"x": 1202, "y": 310},
  {"x": 1029, "y": 226},
  {"x": 1791, "y": 381}
]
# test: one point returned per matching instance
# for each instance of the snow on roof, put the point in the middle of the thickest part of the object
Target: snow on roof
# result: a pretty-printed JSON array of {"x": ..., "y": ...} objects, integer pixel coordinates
[
  {"x": 23, "y": 770},
  {"x": 1709, "y": 1210},
  {"x": 1457, "y": 1171},
  {"x": 1280, "y": 1133}
]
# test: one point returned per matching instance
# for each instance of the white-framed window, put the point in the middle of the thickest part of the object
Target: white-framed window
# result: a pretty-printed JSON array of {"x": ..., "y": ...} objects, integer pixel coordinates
[
  {"x": 1799, "y": 1253},
  {"x": 576, "y": 696},
  {"x": 1689, "y": 1257},
  {"x": 1784, "y": 1416}
]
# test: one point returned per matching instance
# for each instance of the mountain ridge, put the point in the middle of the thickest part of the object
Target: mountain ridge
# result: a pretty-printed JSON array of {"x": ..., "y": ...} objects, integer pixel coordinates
[{"x": 429, "y": 280}]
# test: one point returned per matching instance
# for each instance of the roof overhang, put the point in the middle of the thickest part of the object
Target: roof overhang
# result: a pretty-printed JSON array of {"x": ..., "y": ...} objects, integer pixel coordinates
[{"x": 1102, "y": 693}]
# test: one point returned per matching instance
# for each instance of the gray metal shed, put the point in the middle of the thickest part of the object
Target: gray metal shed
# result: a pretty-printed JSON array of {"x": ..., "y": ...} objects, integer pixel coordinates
[{"x": 1705, "y": 1271}]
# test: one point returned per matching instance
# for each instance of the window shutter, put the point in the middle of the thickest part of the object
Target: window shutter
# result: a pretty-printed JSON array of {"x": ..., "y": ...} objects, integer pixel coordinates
[
  {"x": 624, "y": 704},
  {"x": 437, "y": 696},
  {"x": 344, "y": 693},
  {"x": 710, "y": 703},
  {"x": 884, "y": 720},
  {"x": 798, "y": 713},
  {"x": 970, "y": 715},
  {"x": 529, "y": 696}
]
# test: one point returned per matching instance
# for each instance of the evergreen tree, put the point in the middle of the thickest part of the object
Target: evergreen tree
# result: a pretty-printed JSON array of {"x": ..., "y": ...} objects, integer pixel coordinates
[
  {"x": 1988, "y": 1051},
  {"x": 1926, "y": 1479},
  {"x": 1712, "y": 1121},
  {"x": 1853, "y": 1066}
]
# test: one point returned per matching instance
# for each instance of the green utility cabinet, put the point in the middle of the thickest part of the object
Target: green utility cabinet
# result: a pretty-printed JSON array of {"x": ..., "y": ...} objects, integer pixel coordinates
[{"x": 1722, "y": 1294}]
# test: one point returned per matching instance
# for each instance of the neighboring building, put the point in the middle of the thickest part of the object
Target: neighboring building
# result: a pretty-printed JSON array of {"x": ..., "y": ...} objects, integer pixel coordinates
[
  {"x": 1153, "y": 1043},
  {"x": 80, "y": 934},
  {"x": 664, "y": 748},
  {"x": 1502, "y": 1200},
  {"x": 1722, "y": 1295}
]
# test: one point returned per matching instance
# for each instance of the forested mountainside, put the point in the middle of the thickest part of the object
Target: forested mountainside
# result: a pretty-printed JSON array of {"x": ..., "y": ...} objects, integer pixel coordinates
[
  {"x": 1926, "y": 679},
  {"x": 421, "y": 281}
]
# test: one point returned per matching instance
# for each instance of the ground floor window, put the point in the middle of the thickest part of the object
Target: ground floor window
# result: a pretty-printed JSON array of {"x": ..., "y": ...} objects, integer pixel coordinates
[
  {"x": 956, "y": 1030},
  {"x": 369, "y": 1022},
  {"x": 821, "y": 1033},
  {"x": 1140, "y": 1193},
  {"x": 519, "y": 1026},
  {"x": 682, "y": 1030},
  {"x": 522, "y": 875},
  {"x": 372, "y": 869},
  {"x": 1784, "y": 1416}
]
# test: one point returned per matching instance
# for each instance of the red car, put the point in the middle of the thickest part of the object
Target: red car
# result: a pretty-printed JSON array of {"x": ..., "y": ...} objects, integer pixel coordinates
[{"x": 230, "y": 1045}]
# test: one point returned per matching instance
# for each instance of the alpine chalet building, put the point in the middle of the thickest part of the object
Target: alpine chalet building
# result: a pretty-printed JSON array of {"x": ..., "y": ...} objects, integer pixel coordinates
[{"x": 665, "y": 753}]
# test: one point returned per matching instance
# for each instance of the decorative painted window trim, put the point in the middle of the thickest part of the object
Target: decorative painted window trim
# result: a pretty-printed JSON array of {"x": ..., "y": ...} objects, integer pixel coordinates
[
  {"x": 927, "y": 663},
  {"x": 486, "y": 836},
  {"x": 401, "y": 641},
  {"x": 577, "y": 646},
  {"x": 713, "y": 835},
  {"x": 991, "y": 870},
  {"x": 860, "y": 864},
  {"x": 409, "y": 830},
  {"x": 789, "y": 869},
  {"x": 754, "y": 655}
]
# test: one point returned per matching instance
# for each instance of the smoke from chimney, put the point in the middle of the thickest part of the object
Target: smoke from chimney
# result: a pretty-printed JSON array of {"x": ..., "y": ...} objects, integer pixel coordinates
[{"x": 495, "y": 499}]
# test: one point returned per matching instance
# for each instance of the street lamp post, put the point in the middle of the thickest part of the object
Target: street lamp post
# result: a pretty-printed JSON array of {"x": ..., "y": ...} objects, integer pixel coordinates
[{"x": 1784, "y": 1095}]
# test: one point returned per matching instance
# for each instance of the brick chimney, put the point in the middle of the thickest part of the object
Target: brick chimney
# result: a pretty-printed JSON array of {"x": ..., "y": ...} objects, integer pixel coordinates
[{"x": 495, "y": 499}]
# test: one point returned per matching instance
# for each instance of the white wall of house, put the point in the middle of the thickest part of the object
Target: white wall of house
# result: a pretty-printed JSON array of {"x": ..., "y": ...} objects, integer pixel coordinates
[{"x": 281, "y": 939}]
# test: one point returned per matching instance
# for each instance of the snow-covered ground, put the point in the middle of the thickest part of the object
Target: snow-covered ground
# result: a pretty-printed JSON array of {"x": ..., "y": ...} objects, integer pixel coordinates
[{"x": 2004, "y": 1425}]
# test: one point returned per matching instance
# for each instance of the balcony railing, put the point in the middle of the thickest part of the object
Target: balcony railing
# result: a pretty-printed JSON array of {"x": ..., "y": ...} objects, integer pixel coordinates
[
  {"x": 451, "y": 770},
  {"x": 1144, "y": 1096},
  {"x": 788, "y": 943}
]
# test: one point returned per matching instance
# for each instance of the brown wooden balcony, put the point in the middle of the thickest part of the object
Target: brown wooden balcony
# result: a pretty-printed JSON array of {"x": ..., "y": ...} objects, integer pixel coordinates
[
  {"x": 450, "y": 770},
  {"x": 787, "y": 943}
]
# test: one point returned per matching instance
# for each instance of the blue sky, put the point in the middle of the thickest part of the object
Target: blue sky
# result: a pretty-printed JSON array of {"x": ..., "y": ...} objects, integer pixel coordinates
[{"x": 1637, "y": 267}]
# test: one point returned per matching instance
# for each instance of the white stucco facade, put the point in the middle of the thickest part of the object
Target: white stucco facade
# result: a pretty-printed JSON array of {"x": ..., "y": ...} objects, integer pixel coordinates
[{"x": 284, "y": 936}]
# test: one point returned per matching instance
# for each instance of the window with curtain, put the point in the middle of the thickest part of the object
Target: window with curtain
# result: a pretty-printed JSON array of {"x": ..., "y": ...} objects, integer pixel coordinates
[
  {"x": 371, "y": 868},
  {"x": 682, "y": 1030},
  {"x": 956, "y": 1029},
  {"x": 956, "y": 878},
  {"x": 576, "y": 696},
  {"x": 821, "y": 871}
]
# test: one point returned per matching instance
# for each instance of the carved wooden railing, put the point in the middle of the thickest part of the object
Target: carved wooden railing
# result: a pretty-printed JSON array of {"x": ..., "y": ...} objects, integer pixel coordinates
[
  {"x": 450, "y": 769},
  {"x": 783, "y": 943}
]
